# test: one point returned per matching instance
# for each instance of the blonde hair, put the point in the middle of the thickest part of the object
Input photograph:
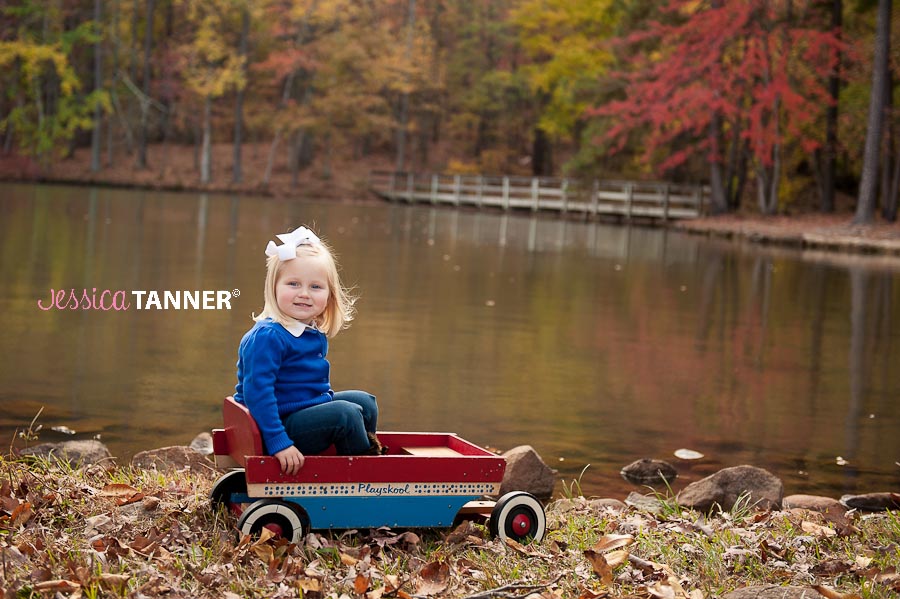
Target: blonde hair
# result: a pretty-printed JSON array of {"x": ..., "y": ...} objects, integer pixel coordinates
[{"x": 339, "y": 310}]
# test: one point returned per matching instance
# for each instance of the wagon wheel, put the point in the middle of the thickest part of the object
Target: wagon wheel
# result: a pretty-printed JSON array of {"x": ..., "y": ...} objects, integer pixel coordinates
[
  {"x": 285, "y": 519},
  {"x": 518, "y": 516},
  {"x": 228, "y": 485}
]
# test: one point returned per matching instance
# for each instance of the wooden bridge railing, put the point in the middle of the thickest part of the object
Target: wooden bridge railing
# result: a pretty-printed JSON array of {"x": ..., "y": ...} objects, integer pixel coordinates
[{"x": 627, "y": 199}]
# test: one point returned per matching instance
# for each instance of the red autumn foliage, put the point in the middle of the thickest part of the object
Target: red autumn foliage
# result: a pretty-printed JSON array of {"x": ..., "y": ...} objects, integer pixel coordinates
[{"x": 750, "y": 63}]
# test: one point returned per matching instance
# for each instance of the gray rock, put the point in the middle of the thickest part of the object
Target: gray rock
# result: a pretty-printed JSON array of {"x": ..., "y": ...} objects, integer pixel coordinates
[
  {"x": 831, "y": 509},
  {"x": 203, "y": 444},
  {"x": 177, "y": 457},
  {"x": 76, "y": 452},
  {"x": 773, "y": 591},
  {"x": 873, "y": 502},
  {"x": 726, "y": 486},
  {"x": 649, "y": 472},
  {"x": 816, "y": 503},
  {"x": 526, "y": 471}
]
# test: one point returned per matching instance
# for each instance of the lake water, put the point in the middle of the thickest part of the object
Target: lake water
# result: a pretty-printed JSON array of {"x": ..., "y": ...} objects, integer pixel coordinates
[{"x": 594, "y": 343}]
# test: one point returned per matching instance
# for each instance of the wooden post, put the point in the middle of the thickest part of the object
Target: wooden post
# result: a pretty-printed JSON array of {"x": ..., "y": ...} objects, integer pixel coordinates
[
  {"x": 479, "y": 191},
  {"x": 629, "y": 194},
  {"x": 456, "y": 183},
  {"x": 665, "y": 202},
  {"x": 595, "y": 197},
  {"x": 506, "y": 193},
  {"x": 434, "y": 188},
  {"x": 698, "y": 198},
  {"x": 565, "y": 196},
  {"x": 409, "y": 187},
  {"x": 535, "y": 194},
  {"x": 393, "y": 188}
]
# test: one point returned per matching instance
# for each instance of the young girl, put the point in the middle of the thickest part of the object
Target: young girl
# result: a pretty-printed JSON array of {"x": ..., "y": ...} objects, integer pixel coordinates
[{"x": 283, "y": 376}]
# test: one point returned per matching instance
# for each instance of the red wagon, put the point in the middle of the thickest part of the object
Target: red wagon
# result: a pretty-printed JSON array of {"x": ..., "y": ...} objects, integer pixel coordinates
[{"x": 424, "y": 480}]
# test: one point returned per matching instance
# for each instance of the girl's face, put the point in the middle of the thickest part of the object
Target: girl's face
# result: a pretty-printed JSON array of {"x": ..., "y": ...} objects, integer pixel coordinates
[{"x": 301, "y": 289}]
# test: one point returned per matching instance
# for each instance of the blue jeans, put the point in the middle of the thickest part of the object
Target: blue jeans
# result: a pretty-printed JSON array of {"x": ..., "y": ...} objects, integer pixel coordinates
[{"x": 343, "y": 422}]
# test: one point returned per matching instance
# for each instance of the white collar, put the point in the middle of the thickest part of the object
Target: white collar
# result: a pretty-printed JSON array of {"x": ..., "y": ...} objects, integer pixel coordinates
[{"x": 297, "y": 328}]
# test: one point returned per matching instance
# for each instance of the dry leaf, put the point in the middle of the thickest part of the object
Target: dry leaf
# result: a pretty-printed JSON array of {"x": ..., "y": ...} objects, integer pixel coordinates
[
  {"x": 264, "y": 553},
  {"x": 128, "y": 500},
  {"x": 817, "y": 530},
  {"x": 589, "y": 594},
  {"x": 609, "y": 542},
  {"x": 20, "y": 515},
  {"x": 662, "y": 590},
  {"x": 832, "y": 594},
  {"x": 617, "y": 558},
  {"x": 519, "y": 547},
  {"x": 114, "y": 582},
  {"x": 600, "y": 565},
  {"x": 310, "y": 585},
  {"x": 688, "y": 454},
  {"x": 264, "y": 536},
  {"x": 118, "y": 490},
  {"x": 375, "y": 594},
  {"x": 391, "y": 582},
  {"x": 58, "y": 585},
  {"x": 348, "y": 560},
  {"x": 361, "y": 584},
  {"x": 8, "y": 504},
  {"x": 433, "y": 578}
]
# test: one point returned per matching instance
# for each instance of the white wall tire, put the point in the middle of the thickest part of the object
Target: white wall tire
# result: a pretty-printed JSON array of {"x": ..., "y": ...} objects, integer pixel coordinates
[
  {"x": 520, "y": 517},
  {"x": 285, "y": 519}
]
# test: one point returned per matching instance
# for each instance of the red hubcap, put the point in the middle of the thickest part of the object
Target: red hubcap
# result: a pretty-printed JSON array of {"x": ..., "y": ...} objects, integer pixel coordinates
[
  {"x": 521, "y": 524},
  {"x": 276, "y": 528}
]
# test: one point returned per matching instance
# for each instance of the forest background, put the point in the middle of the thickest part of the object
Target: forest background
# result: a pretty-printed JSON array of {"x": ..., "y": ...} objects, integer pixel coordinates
[{"x": 779, "y": 105}]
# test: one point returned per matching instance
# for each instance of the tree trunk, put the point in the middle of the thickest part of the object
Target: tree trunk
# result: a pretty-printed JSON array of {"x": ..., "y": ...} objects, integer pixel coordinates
[
  {"x": 302, "y": 36},
  {"x": 718, "y": 203},
  {"x": 206, "y": 153},
  {"x": 236, "y": 175},
  {"x": 404, "y": 98},
  {"x": 889, "y": 147},
  {"x": 541, "y": 154},
  {"x": 113, "y": 83},
  {"x": 865, "y": 205},
  {"x": 767, "y": 184},
  {"x": 98, "y": 85},
  {"x": 145, "y": 104}
]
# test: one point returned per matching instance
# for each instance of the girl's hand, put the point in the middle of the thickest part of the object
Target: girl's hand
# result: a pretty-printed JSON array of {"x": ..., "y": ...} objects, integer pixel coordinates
[{"x": 291, "y": 460}]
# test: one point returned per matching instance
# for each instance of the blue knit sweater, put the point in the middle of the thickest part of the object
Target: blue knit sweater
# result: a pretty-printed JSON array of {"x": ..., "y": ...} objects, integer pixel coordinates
[{"x": 279, "y": 374}]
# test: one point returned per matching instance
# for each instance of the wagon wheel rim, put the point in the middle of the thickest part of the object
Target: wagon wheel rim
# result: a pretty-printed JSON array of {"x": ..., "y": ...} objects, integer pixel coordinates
[{"x": 283, "y": 518}]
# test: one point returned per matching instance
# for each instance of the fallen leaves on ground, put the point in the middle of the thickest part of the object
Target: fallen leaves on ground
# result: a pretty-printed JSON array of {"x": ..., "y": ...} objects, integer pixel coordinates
[{"x": 100, "y": 531}]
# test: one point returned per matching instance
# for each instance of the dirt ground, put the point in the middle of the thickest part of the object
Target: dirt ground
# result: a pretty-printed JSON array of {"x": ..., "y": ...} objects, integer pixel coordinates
[{"x": 175, "y": 167}]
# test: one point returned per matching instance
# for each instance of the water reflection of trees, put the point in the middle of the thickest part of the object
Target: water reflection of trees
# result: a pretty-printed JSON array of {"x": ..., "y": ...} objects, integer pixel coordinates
[{"x": 843, "y": 316}]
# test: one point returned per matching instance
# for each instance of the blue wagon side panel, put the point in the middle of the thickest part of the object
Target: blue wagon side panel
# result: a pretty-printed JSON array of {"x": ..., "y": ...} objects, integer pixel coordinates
[{"x": 368, "y": 512}]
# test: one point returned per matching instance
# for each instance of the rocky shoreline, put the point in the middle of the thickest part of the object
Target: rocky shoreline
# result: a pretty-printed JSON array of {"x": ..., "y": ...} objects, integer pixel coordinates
[
  {"x": 827, "y": 232},
  {"x": 736, "y": 487}
]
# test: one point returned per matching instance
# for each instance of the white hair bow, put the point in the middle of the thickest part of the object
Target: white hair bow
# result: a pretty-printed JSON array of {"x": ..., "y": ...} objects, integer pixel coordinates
[{"x": 291, "y": 241}]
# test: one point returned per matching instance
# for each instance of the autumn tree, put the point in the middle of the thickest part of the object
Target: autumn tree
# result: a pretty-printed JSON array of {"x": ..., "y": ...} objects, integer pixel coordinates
[
  {"x": 41, "y": 87},
  {"x": 212, "y": 64},
  {"x": 565, "y": 41},
  {"x": 486, "y": 105},
  {"x": 718, "y": 79}
]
